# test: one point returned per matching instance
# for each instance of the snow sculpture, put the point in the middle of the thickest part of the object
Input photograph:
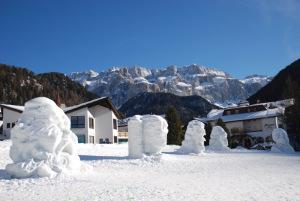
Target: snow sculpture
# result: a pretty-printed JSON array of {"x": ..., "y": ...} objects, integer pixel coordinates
[
  {"x": 146, "y": 135},
  {"x": 281, "y": 140},
  {"x": 194, "y": 138},
  {"x": 42, "y": 143},
  {"x": 218, "y": 139},
  {"x": 135, "y": 144}
]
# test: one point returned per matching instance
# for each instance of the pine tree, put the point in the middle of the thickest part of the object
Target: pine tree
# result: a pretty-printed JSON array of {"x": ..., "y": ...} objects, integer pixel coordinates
[
  {"x": 208, "y": 129},
  {"x": 175, "y": 135}
]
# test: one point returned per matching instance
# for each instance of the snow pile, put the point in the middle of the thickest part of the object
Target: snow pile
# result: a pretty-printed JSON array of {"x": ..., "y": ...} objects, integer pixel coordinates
[
  {"x": 42, "y": 143},
  {"x": 194, "y": 138},
  {"x": 281, "y": 140},
  {"x": 146, "y": 135},
  {"x": 218, "y": 139}
]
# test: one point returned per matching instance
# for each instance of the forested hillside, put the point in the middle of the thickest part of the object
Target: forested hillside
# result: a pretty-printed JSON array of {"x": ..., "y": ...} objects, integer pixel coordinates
[{"x": 19, "y": 85}]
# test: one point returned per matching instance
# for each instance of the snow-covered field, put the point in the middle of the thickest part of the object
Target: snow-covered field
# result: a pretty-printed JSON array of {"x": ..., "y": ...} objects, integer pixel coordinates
[{"x": 238, "y": 175}]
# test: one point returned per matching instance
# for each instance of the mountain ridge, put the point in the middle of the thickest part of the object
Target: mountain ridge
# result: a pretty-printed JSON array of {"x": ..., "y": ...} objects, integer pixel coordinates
[{"x": 123, "y": 83}]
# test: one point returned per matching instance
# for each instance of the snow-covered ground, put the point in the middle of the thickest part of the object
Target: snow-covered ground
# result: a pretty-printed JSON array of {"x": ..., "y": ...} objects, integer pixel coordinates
[{"x": 238, "y": 175}]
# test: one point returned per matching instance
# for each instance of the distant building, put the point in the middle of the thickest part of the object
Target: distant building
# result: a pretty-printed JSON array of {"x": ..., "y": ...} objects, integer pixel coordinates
[
  {"x": 94, "y": 121},
  {"x": 123, "y": 130},
  {"x": 257, "y": 120}
]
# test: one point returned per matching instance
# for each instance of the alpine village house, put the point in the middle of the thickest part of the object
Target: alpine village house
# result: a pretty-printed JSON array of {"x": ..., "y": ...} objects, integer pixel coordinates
[
  {"x": 251, "y": 124},
  {"x": 94, "y": 121}
]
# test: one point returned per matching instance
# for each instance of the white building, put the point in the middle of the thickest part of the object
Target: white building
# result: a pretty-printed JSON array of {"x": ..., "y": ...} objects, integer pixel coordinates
[
  {"x": 93, "y": 122},
  {"x": 257, "y": 120},
  {"x": 10, "y": 115}
]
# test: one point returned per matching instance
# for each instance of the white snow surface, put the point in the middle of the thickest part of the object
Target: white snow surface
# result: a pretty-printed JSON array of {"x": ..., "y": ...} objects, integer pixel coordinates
[
  {"x": 218, "y": 139},
  {"x": 238, "y": 175},
  {"x": 194, "y": 138},
  {"x": 42, "y": 143},
  {"x": 281, "y": 139},
  {"x": 146, "y": 135}
]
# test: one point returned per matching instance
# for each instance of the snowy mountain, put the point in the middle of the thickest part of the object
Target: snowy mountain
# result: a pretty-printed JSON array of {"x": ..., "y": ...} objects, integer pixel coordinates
[{"x": 123, "y": 83}]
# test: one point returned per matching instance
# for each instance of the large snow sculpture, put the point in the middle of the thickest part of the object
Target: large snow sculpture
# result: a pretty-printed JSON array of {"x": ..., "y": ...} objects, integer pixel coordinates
[
  {"x": 194, "y": 138},
  {"x": 281, "y": 140},
  {"x": 146, "y": 135},
  {"x": 42, "y": 142},
  {"x": 218, "y": 139},
  {"x": 135, "y": 139}
]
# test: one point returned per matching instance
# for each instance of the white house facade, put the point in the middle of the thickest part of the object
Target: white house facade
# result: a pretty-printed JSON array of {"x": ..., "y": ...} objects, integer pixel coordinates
[
  {"x": 93, "y": 122},
  {"x": 257, "y": 120},
  {"x": 10, "y": 116}
]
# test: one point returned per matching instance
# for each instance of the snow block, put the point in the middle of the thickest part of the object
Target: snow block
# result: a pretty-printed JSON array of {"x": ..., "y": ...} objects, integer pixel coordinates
[
  {"x": 194, "y": 138},
  {"x": 135, "y": 139},
  {"x": 155, "y": 131},
  {"x": 218, "y": 139},
  {"x": 42, "y": 143},
  {"x": 146, "y": 135},
  {"x": 282, "y": 143}
]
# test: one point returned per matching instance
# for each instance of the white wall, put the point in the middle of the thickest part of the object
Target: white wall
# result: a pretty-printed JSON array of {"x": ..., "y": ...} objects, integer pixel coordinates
[
  {"x": 81, "y": 131},
  {"x": 103, "y": 123},
  {"x": 9, "y": 116},
  {"x": 269, "y": 124}
]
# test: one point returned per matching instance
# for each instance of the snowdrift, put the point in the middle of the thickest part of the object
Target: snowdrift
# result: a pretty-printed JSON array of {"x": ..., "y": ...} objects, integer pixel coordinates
[
  {"x": 281, "y": 139},
  {"x": 194, "y": 138},
  {"x": 146, "y": 135},
  {"x": 42, "y": 143},
  {"x": 218, "y": 139}
]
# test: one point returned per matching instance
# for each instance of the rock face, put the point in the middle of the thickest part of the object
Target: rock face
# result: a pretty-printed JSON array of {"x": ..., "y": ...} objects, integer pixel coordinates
[
  {"x": 146, "y": 135},
  {"x": 42, "y": 143},
  {"x": 281, "y": 139},
  {"x": 121, "y": 84},
  {"x": 218, "y": 139},
  {"x": 194, "y": 138}
]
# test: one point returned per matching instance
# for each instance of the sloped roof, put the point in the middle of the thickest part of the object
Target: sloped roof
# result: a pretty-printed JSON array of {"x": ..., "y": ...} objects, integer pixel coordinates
[
  {"x": 243, "y": 116},
  {"x": 16, "y": 108},
  {"x": 103, "y": 101}
]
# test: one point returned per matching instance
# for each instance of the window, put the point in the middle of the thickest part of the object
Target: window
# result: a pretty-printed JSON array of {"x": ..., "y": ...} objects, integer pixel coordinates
[
  {"x": 81, "y": 138},
  {"x": 8, "y": 125},
  {"x": 77, "y": 122},
  {"x": 115, "y": 124},
  {"x": 91, "y": 123},
  {"x": 91, "y": 139},
  {"x": 13, "y": 124}
]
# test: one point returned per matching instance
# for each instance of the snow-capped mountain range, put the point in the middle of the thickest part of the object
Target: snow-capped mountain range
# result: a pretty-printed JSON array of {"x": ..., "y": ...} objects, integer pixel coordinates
[{"x": 123, "y": 83}]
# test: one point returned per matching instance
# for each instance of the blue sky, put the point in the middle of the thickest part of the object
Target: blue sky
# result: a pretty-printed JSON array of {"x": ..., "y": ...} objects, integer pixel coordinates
[{"x": 241, "y": 37}]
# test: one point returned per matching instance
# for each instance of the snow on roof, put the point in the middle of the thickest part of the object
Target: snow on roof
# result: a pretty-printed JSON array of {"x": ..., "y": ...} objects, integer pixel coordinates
[
  {"x": 13, "y": 107},
  {"x": 82, "y": 104},
  {"x": 216, "y": 114},
  {"x": 103, "y": 101}
]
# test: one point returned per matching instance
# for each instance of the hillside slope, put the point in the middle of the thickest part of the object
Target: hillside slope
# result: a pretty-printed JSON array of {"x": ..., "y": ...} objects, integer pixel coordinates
[
  {"x": 158, "y": 103},
  {"x": 19, "y": 85},
  {"x": 280, "y": 85}
]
